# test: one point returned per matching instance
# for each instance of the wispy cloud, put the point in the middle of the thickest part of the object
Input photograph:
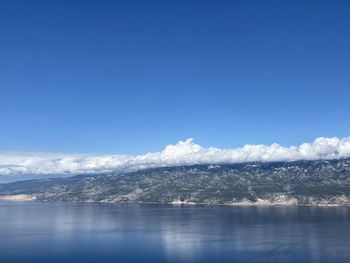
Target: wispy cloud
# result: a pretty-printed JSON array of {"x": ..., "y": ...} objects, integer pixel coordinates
[{"x": 184, "y": 152}]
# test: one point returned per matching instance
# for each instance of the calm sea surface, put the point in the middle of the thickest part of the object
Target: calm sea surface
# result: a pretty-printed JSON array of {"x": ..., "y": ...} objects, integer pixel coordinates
[{"x": 76, "y": 232}]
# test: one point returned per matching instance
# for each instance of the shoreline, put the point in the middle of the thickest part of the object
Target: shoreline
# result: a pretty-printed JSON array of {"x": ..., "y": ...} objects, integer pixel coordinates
[
  {"x": 242, "y": 203},
  {"x": 18, "y": 198}
]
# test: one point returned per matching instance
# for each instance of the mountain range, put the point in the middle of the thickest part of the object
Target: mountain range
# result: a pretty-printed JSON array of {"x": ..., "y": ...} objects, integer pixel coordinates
[{"x": 314, "y": 183}]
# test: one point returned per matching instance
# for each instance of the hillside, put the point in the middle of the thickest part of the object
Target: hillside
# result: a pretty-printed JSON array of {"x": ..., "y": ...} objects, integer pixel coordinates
[{"x": 324, "y": 182}]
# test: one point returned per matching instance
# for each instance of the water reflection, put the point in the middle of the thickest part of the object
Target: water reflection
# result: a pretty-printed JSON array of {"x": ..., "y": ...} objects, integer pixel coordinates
[{"x": 56, "y": 232}]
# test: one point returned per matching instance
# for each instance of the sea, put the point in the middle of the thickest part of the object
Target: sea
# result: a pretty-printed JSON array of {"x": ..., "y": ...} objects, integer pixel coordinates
[{"x": 96, "y": 232}]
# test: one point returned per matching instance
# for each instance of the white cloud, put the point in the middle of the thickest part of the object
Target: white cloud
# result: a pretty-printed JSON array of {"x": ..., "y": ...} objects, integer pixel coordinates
[{"x": 184, "y": 152}]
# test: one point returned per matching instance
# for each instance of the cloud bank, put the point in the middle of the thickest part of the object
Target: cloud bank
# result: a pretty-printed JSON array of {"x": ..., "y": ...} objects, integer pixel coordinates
[{"x": 183, "y": 153}]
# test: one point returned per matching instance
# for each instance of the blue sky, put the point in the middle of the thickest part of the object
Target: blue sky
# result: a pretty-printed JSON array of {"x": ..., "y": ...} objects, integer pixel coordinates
[{"x": 130, "y": 77}]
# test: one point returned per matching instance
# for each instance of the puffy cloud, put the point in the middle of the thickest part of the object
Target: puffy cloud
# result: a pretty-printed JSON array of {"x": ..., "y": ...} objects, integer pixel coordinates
[{"x": 182, "y": 153}]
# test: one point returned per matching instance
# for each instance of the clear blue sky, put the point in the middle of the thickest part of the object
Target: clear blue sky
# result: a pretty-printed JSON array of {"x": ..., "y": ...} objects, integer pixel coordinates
[{"x": 133, "y": 76}]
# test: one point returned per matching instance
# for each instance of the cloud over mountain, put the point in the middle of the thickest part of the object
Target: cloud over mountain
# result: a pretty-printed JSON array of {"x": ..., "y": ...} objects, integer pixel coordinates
[{"x": 182, "y": 153}]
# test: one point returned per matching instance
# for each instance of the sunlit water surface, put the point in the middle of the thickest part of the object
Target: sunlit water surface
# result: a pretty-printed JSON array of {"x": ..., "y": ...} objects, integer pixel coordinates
[{"x": 78, "y": 232}]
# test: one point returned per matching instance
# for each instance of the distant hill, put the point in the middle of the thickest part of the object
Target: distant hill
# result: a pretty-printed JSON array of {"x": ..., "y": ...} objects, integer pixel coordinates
[{"x": 323, "y": 182}]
